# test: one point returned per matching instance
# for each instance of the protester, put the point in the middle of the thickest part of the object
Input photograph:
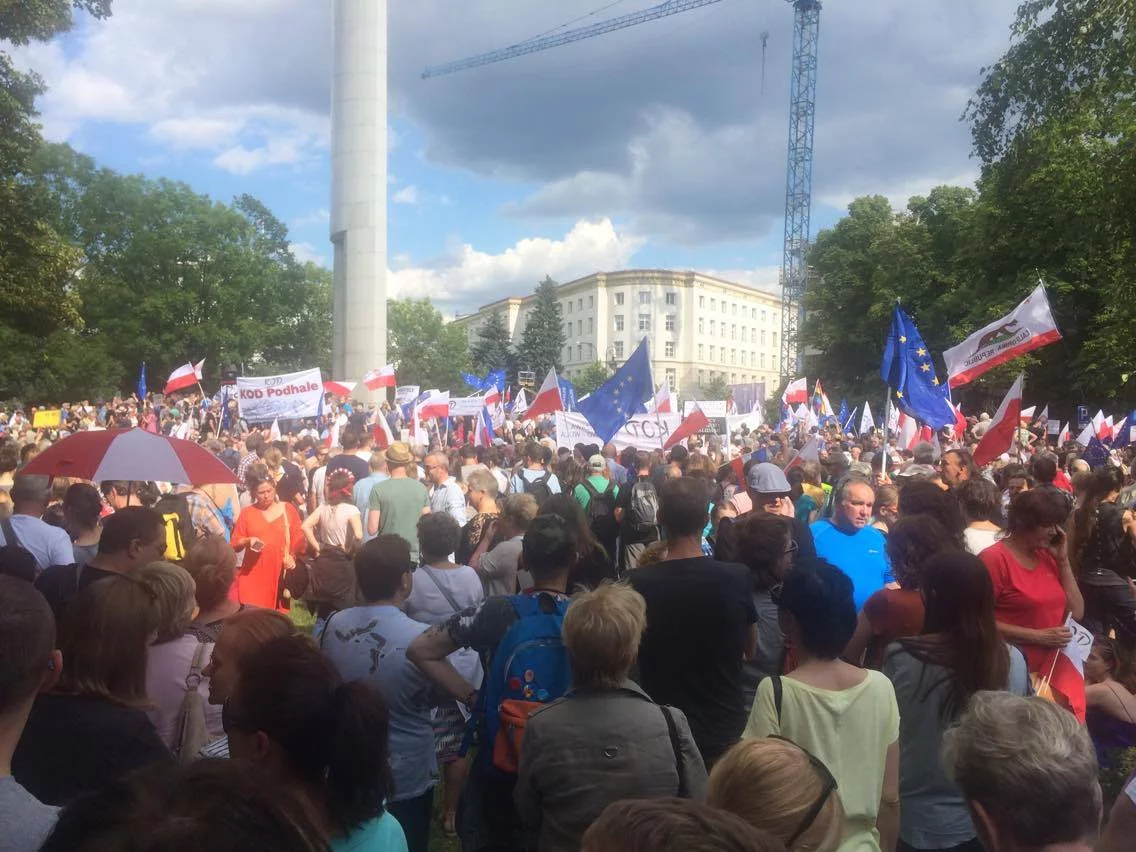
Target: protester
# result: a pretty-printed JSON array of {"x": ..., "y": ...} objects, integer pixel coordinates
[
  {"x": 849, "y": 542},
  {"x": 398, "y": 502},
  {"x": 958, "y": 466},
  {"x": 981, "y": 508},
  {"x": 702, "y": 624},
  {"x": 91, "y": 727},
  {"x": 211, "y": 804},
  {"x": 777, "y": 786},
  {"x": 445, "y": 493},
  {"x": 892, "y": 613},
  {"x": 606, "y": 739},
  {"x": 488, "y": 817},
  {"x": 82, "y": 513},
  {"x": 497, "y": 567},
  {"x": 1035, "y": 591},
  {"x": 355, "y": 456},
  {"x": 1120, "y": 827},
  {"x": 49, "y": 544},
  {"x": 593, "y": 563},
  {"x": 935, "y": 675},
  {"x": 29, "y": 664},
  {"x": 269, "y": 532},
  {"x": 769, "y": 492},
  {"x": 324, "y": 738},
  {"x": 637, "y": 511},
  {"x": 844, "y": 715},
  {"x": 535, "y": 478},
  {"x": 481, "y": 490},
  {"x": 361, "y": 493},
  {"x": 334, "y": 532},
  {"x": 1027, "y": 771},
  {"x": 213, "y": 566},
  {"x": 441, "y": 589},
  {"x": 923, "y": 497},
  {"x": 1110, "y": 699},
  {"x": 597, "y": 495},
  {"x": 887, "y": 508},
  {"x": 647, "y": 825}
]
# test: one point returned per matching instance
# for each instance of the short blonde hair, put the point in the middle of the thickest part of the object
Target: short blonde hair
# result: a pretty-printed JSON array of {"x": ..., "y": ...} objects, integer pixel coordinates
[
  {"x": 175, "y": 596},
  {"x": 772, "y": 784},
  {"x": 602, "y": 630}
]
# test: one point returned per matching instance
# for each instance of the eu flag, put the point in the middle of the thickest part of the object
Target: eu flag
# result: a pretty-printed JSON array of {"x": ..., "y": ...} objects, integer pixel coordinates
[
  {"x": 908, "y": 369},
  {"x": 1123, "y": 436},
  {"x": 142, "y": 389},
  {"x": 611, "y": 405},
  {"x": 843, "y": 415},
  {"x": 1096, "y": 453}
]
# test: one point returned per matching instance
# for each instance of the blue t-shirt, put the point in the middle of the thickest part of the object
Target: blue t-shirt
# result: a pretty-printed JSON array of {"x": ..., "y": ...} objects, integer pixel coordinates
[
  {"x": 379, "y": 835},
  {"x": 861, "y": 555}
]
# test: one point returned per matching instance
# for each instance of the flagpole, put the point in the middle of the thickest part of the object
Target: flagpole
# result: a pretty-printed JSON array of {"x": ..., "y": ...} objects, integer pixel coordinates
[{"x": 887, "y": 431}]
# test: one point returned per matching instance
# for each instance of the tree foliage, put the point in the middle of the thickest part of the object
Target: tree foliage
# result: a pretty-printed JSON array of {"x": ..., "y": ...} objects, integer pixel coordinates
[
  {"x": 714, "y": 389},
  {"x": 591, "y": 377},
  {"x": 493, "y": 348},
  {"x": 425, "y": 350},
  {"x": 542, "y": 342}
]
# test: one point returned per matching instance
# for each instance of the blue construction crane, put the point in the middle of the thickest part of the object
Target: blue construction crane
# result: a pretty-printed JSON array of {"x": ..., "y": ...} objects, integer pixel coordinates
[{"x": 802, "y": 112}]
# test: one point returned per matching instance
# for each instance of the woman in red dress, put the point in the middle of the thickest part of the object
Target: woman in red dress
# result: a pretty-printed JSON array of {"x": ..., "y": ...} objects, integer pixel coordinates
[
  {"x": 1035, "y": 590},
  {"x": 271, "y": 534}
]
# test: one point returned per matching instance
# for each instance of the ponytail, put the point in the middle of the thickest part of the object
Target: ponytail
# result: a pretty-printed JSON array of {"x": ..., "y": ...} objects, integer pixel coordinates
[{"x": 358, "y": 779}]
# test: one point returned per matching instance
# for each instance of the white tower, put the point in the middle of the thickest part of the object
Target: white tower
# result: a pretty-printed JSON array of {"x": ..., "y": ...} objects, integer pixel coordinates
[{"x": 359, "y": 187}]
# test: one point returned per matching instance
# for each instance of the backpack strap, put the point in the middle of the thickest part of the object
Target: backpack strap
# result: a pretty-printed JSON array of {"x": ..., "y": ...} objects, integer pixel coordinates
[
  {"x": 778, "y": 695},
  {"x": 676, "y": 746},
  {"x": 547, "y": 476},
  {"x": 591, "y": 489},
  {"x": 10, "y": 537}
]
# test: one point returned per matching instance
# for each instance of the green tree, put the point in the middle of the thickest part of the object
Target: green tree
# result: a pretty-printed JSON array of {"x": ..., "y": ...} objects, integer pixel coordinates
[
  {"x": 542, "y": 341},
  {"x": 425, "y": 350},
  {"x": 493, "y": 348},
  {"x": 591, "y": 377},
  {"x": 716, "y": 388}
]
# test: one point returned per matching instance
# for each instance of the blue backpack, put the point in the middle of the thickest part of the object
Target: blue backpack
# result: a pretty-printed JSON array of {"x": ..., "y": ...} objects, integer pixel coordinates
[{"x": 529, "y": 669}]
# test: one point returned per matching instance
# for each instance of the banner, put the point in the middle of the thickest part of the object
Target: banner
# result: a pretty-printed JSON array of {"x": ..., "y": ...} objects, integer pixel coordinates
[
  {"x": 716, "y": 411},
  {"x": 466, "y": 406},
  {"x": 288, "y": 397},
  {"x": 406, "y": 394},
  {"x": 47, "y": 418},
  {"x": 642, "y": 431}
]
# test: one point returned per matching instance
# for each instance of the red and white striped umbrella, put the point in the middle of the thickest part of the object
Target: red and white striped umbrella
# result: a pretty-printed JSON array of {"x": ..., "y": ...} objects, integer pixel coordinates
[{"x": 130, "y": 454}]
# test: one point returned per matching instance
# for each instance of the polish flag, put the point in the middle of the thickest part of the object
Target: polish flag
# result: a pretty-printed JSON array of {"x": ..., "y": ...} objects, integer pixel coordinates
[
  {"x": 796, "y": 392},
  {"x": 999, "y": 438},
  {"x": 521, "y": 403},
  {"x": 274, "y": 430},
  {"x": 692, "y": 424},
  {"x": 547, "y": 399},
  {"x": 382, "y": 432},
  {"x": 1087, "y": 434},
  {"x": 380, "y": 378},
  {"x": 809, "y": 452},
  {"x": 185, "y": 376},
  {"x": 1107, "y": 430},
  {"x": 436, "y": 405},
  {"x": 661, "y": 404},
  {"x": 342, "y": 389},
  {"x": 907, "y": 434},
  {"x": 1064, "y": 681},
  {"x": 492, "y": 396},
  {"x": 1063, "y": 436},
  {"x": 1027, "y": 414},
  {"x": 960, "y": 422}
]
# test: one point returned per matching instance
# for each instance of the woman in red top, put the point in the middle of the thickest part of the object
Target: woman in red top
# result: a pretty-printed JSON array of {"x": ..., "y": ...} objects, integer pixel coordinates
[
  {"x": 270, "y": 533},
  {"x": 1035, "y": 590}
]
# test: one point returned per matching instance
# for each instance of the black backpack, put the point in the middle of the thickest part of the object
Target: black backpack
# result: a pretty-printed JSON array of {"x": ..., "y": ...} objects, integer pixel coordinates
[
  {"x": 601, "y": 504},
  {"x": 174, "y": 509},
  {"x": 643, "y": 509},
  {"x": 538, "y": 488}
]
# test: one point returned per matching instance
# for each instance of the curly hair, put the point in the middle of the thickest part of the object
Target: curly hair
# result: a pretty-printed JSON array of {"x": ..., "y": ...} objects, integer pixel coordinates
[{"x": 913, "y": 540}]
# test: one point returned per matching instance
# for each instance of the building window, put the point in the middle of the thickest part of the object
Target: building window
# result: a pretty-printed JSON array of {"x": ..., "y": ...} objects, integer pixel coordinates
[
  {"x": 713, "y": 304},
  {"x": 701, "y": 325},
  {"x": 763, "y": 360},
  {"x": 743, "y": 334},
  {"x": 753, "y": 359},
  {"x": 713, "y": 327},
  {"x": 723, "y": 306},
  {"x": 644, "y": 297},
  {"x": 774, "y": 338},
  {"x": 753, "y": 313},
  {"x": 734, "y": 310},
  {"x": 619, "y": 298},
  {"x": 700, "y": 375},
  {"x": 669, "y": 349},
  {"x": 568, "y": 328},
  {"x": 671, "y": 299},
  {"x": 619, "y": 322},
  {"x": 591, "y": 302},
  {"x": 589, "y": 325},
  {"x": 700, "y": 352},
  {"x": 644, "y": 322},
  {"x": 580, "y": 304},
  {"x": 733, "y": 332},
  {"x": 701, "y": 301},
  {"x": 670, "y": 322},
  {"x": 712, "y": 353},
  {"x": 672, "y": 378},
  {"x": 567, "y": 353},
  {"x": 733, "y": 378},
  {"x": 569, "y": 306},
  {"x": 723, "y": 359},
  {"x": 763, "y": 316},
  {"x": 617, "y": 348},
  {"x": 763, "y": 337},
  {"x": 579, "y": 326}
]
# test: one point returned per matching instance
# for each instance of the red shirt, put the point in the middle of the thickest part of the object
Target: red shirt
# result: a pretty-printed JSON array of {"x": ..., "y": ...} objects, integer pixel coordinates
[{"x": 1034, "y": 599}]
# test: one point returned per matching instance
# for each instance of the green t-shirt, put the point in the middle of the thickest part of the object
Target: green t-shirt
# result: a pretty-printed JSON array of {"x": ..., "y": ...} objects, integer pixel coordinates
[
  {"x": 399, "y": 503},
  {"x": 600, "y": 484}
]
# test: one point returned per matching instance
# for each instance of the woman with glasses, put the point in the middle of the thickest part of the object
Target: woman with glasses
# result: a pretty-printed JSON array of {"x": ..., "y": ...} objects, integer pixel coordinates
[
  {"x": 270, "y": 533},
  {"x": 844, "y": 715},
  {"x": 777, "y": 786},
  {"x": 935, "y": 675},
  {"x": 325, "y": 739}
]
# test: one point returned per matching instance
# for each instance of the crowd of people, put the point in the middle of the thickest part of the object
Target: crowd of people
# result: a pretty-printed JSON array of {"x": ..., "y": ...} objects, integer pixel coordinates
[{"x": 533, "y": 647}]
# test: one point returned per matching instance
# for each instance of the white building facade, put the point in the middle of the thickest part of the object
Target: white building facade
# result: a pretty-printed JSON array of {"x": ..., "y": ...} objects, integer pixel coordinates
[{"x": 700, "y": 328}]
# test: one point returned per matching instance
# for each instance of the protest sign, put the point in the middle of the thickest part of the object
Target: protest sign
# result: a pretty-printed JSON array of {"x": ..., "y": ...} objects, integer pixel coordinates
[
  {"x": 406, "y": 394},
  {"x": 643, "y": 431},
  {"x": 466, "y": 406},
  {"x": 47, "y": 418},
  {"x": 716, "y": 412},
  {"x": 287, "y": 397}
]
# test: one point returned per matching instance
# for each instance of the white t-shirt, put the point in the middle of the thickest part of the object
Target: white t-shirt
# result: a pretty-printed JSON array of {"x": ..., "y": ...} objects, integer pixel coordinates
[
  {"x": 49, "y": 545},
  {"x": 167, "y": 667},
  {"x": 978, "y": 540},
  {"x": 333, "y": 528}
]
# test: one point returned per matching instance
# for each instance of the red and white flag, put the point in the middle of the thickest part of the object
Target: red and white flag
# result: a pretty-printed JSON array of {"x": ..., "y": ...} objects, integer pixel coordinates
[
  {"x": 1027, "y": 327},
  {"x": 1063, "y": 436},
  {"x": 796, "y": 392},
  {"x": 435, "y": 405},
  {"x": 492, "y": 396},
  {"x": 907, "y": 433},
  {"x": 809, "y": 452},
  {"x": 1065, "y": 677},
  {"x": 692, "y": 424},
  {"x": 1087, "y": 434},
  {"x": 661, "y": 404},
  {"x": 342, "y": 389},
  {"x": 960, "y": 422},
  {"x": 383, "y": 377},
  {"x": 185, "y": 376},
  {"x": 1043, "y": 419},
  {"x": 999, "y": 438},
  {"x": 547, "y": 399},
  {"x": 520, "y": 404},
  {"x": 1027, "y": 415},
  {"x": 382, "y": 432}
]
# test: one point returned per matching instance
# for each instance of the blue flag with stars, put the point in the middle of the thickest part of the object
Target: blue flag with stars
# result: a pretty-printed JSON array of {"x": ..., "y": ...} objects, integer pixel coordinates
[
  {"x": 142, "y": 389},
  {"x": 907, "y": 368},
  {"x": 611, "y": 405},
  {"x": 843, "y": 415},
  {"x": 1096, "y": 453}
]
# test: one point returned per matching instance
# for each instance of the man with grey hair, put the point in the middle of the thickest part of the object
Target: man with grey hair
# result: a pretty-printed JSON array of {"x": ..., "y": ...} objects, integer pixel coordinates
[
  {"x": 1028, "y": 772},
  {"x": 49, "y": 545},
  {"x": 445, "y": 493}
]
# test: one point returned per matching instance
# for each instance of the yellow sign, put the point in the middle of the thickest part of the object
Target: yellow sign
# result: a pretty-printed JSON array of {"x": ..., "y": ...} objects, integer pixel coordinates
[{"x": 47, "y": 418}]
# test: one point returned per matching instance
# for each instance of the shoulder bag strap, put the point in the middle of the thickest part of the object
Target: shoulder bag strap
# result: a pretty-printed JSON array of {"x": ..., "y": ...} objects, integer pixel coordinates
[
  {"x": 676, "y": 746},
  {"x": 778, "y": 695},
  {"x": 445, "y": 592},
  {"x": 10, "y": 537},
  {"x": 193, "y": 679}
]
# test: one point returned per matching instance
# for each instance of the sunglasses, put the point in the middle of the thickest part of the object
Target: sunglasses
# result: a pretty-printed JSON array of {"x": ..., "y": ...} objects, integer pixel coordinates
[{"x": 829, "y": 785}]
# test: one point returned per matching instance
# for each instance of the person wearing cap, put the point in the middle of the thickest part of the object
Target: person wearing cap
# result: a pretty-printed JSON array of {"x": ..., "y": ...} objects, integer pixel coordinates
[
  {"x": 769, "y": 492},
  {"x": 598, "y": 485},
  {"x": 850, "y": 542},
  {"x": 397, "y": 503},
  {"x": 488, "y": 817},
  {"x": 49, "y": 545}
]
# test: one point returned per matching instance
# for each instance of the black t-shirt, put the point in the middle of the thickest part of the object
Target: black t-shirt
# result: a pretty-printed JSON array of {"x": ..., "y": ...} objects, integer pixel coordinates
[
  {"x": 699, "y": 612},
  {"x": 349, "y": 461},
  {"x": 60, "y": 583},
  {"x": 628, "y": 532},
  {"x": 291, "y": 483}
]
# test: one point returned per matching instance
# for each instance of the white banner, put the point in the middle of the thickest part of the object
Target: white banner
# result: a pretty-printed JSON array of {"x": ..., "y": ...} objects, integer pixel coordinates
[
  {"x": 406, "y": 394},
  {"x": 643, "y": 431},
  {"x": 466, "y": 406},
  {"x": 710, "y": 407},
  {"x": 288, "y": 397},
  {"x": 751, "y": 421}
]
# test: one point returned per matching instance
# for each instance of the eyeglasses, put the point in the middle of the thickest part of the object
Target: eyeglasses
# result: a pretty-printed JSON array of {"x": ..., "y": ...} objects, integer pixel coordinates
[{"x": 827, "y": 780}]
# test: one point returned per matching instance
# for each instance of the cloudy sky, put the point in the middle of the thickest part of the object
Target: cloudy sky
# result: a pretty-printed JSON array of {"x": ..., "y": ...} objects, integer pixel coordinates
[{"x": 651, "y": 147}]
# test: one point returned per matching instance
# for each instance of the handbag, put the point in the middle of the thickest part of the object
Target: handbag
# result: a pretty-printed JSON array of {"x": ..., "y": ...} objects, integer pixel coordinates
[{"x": 294, "y": 581}]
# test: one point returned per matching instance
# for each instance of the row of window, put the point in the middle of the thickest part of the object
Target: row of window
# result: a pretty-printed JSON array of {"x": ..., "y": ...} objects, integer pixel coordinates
[
  {"x": 723, "y": 354},
  {"x": 644, "y": 299},
  {"x": 670, "y": 323},
  {"x": 751, "y": 337},
  {"x": 730, "y": 308},
  {"x": 733, "y": 378},
  {"x": 669, "y": 350}
]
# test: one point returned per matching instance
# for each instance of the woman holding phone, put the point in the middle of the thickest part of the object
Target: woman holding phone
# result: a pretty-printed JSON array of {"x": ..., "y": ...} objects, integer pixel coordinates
[
  {"x": 1035, "y": 590},
  {"x": 271, "y": 534}
]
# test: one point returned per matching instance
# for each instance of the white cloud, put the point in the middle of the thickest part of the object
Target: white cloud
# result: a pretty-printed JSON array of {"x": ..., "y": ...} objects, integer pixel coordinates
[
  {"x": 406, "y": 195},
  {"x": 465, "y": 278},
  {"x": 305, "y": 252},
  {"x": 196, "y": 132},
  {"x": 317, "y": 217}
]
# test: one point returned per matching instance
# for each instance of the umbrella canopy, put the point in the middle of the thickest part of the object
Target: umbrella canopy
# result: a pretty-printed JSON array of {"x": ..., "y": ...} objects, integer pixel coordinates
[{"x": 130, "y": 454}]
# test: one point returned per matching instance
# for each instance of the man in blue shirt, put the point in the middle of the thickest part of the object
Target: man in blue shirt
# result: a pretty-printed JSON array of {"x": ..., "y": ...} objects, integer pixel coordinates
[{"x": 850, "y": 542}]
